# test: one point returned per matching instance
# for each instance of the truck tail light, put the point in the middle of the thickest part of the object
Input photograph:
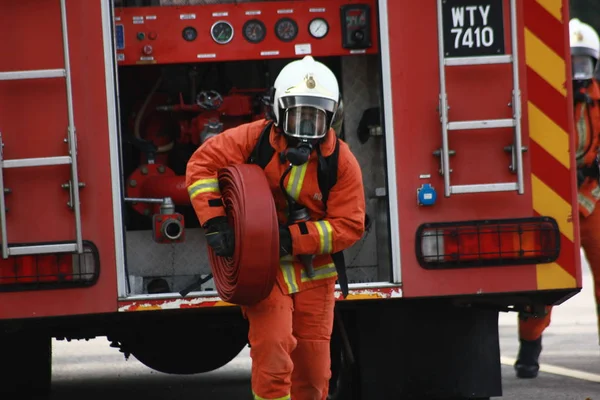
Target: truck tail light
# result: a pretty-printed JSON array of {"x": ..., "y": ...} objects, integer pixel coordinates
[
  {"x": 44, "y": 271},
  {"x": 488, "y": 243}
]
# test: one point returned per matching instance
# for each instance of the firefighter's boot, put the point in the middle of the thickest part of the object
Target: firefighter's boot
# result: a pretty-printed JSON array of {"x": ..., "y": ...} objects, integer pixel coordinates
[{"x": 527, "y": 364}]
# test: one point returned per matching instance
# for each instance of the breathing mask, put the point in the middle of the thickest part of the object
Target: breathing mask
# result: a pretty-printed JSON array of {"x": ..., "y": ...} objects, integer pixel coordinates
[{"x": 300, "y": 153}]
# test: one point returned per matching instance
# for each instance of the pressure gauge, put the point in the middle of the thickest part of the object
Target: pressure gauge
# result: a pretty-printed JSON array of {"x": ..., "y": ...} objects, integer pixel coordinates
[
  {"x": 222, "y": 32},
  {"x": 286, "y": 29},
  {"x": 318, "y": 28},
  {"x": 254, "y": 31},
  {"x": 189, "y": 33}
]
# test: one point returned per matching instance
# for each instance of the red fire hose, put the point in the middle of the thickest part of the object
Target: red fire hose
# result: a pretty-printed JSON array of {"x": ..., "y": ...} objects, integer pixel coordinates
[{"x": 248, "y": 276}]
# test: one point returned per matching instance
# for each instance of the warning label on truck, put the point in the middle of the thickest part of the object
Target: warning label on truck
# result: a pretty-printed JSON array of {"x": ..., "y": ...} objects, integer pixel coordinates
[{"x": 473, "y": 28}]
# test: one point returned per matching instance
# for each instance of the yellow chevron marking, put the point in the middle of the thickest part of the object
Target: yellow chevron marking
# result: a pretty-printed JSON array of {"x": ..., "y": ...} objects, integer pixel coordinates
[
  {"x": 553, "y": 276},
  {"x": 543, "y": 60},
  {"x": 554, "y": 7},
  {"x": 548, "y": 135},
  {"x": 547, "y": 202}
]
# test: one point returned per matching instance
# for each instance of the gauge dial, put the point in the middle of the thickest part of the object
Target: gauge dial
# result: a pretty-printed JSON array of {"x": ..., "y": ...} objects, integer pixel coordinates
[
  {"x": 318, "y": 28},
  {"x": 189, "y": 33},
  {"x": 254, "y": 31},
  {"x": 286, "y": 29},
  {"x": 222, "y": 32}
]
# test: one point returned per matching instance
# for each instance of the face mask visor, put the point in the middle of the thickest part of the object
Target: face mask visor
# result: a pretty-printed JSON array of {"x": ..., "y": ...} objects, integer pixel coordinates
[
  {"x": 305, "y": 122},
  {"x": 583, "y": 67}
]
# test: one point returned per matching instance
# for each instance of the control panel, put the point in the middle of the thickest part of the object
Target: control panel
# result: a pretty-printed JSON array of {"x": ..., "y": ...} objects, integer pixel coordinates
[{"x": 244, "y": 31}]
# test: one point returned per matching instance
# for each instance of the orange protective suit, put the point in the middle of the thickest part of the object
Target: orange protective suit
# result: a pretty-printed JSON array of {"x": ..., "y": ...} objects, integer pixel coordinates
[
  {"x": 291, "y": 329},
  {"x": 587, "y": 138}
]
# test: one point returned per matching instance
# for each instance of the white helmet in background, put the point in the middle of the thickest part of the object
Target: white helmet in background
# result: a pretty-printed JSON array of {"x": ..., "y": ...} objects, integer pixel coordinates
[
  {"x": 585, "y": 49},
  {"x": 305, "y": 99}
]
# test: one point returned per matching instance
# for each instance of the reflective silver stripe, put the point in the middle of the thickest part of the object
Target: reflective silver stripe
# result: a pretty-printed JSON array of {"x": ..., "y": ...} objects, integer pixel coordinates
[
  {"x": 585, "y": 202},
  {"x": 203, "y": 186},
  {"x": 287, "y": 267},
  {"x": 325, "y": 236},
  {"x": 596, "y": 192},
  {"x": 322, "y": 272}
]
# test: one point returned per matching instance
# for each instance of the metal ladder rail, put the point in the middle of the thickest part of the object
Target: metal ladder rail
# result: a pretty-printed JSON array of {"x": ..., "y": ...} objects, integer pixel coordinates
[
  {"x": 515, "y": 122},
  {"x": 46, "y": 161},
  {"x": 516, "y": 98},
  {"x": 72, "y": 138}
]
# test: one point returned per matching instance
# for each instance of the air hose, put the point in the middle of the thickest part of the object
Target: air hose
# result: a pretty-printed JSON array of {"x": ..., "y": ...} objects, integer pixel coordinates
[{"x": 248, "y": 276}]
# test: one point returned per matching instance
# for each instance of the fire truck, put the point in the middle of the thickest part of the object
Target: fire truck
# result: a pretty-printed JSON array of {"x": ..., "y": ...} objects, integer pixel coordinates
[{"x": 458, "y": 111}]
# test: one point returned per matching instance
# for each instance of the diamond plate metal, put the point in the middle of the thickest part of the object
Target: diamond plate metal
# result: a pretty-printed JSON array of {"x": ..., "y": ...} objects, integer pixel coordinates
[{"x": 147, "y": 258}]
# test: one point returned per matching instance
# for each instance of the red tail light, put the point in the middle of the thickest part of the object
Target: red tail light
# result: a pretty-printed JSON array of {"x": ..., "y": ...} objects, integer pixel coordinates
[
  {"x": 488, "y": 243},
  {"x": 50, "y": 270}
]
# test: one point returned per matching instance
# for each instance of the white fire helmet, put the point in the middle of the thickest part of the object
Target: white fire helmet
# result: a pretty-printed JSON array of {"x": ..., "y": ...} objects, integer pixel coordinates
[
  {"x": 585, "y": 48},
  {"x": 305, "y": 99}
]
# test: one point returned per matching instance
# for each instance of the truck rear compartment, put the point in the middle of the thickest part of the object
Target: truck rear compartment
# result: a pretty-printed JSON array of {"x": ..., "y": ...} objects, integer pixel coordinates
[{"x": 158, "y": 268}]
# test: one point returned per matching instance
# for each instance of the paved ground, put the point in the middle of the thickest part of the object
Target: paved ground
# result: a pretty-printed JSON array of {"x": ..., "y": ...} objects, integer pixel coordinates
[
  {"x": 571, "y": 354},
  {"x": 571, "y": 364}
]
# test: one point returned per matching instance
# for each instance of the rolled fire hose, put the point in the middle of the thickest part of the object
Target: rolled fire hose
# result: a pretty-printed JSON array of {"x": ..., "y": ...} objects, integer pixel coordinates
[{"x": 248, "y": 276}]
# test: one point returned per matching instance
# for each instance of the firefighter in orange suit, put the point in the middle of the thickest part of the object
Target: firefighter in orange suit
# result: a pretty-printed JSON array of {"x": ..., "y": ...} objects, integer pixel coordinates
[
  {"x": 290, "y": 330},
  {"x": 585, "y": 48}
]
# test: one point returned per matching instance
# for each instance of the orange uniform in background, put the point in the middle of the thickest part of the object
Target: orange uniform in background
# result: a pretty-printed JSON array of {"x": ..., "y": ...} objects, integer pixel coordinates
[{"x": 587, "y": 131}]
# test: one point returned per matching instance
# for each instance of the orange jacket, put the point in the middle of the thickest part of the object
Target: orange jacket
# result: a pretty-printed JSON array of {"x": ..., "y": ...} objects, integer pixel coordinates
[
  {"x": 327, "y": 232},
  {"x": 587, "y": 139}
]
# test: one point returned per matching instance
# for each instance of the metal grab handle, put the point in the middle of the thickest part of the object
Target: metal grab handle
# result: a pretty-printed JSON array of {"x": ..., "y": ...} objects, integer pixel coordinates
[
  {"x": 443, "y": 102},
  {"x": 516, "y": 97},
  {"x": 72, "y": 138}
]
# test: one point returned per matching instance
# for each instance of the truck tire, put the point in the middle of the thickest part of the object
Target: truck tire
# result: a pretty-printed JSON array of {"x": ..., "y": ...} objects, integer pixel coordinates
[
  {"x": 187, "y": 352},
  {"x": 25, "y": 364}
]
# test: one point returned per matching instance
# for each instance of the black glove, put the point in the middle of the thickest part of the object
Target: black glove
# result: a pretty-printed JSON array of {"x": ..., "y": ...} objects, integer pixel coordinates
[
  {"x": 588, "y": 171},
  {"x": 580, "y": 177},
  {"x": 285, "y": 241},
  {"x": 220, "y": 236}
]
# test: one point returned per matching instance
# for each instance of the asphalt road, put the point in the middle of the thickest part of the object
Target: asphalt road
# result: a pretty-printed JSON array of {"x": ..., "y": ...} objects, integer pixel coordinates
[{"x": 570, "y": 365}]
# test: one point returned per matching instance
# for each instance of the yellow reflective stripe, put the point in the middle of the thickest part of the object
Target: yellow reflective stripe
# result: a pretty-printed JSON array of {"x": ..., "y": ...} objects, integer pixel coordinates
[
  {"x": 294, "y": 185},
  {"x": 289, "y": 276},
  {"x": 257, "y": 397},
  {"x": 325, "y": 236},
  {"x": 322, "y": 272},
  {"x": 554, "y": 7},
  {"x": 203, "y": 186}
]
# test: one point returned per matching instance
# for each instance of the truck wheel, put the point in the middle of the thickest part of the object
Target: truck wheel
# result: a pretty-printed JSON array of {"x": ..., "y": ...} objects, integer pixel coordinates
[
  {"x": 187, "y": 352},
  {"x": 25, "y": 364}
]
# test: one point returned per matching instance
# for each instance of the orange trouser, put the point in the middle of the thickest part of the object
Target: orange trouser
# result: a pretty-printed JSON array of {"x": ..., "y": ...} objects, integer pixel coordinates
[
  {"x": 532, "y": 328},
  {"x": 289, "y": 344}
]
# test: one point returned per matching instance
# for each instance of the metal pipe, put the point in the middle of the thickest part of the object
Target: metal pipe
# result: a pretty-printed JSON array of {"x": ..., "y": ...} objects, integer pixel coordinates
[
  {"x": 3, "y": 227},
  {"x": 142, "y": 200}
]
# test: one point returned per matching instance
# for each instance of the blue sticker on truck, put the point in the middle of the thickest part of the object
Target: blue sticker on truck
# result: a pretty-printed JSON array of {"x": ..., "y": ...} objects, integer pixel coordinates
[{"x": 120, "y": 32}]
